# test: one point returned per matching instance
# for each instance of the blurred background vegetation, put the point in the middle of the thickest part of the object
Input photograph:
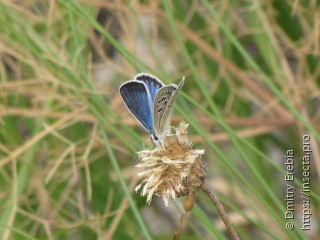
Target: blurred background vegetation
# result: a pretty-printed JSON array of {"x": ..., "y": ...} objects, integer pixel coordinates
[{"x": 68, "y": 144}]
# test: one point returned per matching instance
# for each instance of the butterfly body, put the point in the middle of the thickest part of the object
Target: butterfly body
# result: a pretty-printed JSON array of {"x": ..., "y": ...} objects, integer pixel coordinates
[{"x": 150, "y": 102}]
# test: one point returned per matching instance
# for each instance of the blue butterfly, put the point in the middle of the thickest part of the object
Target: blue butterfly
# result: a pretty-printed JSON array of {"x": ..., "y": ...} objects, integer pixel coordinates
[{"x": 150, "y": 101}]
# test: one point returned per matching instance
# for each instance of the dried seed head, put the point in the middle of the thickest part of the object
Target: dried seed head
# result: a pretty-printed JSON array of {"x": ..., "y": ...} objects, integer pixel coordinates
[{"x": 172, "y": 169}]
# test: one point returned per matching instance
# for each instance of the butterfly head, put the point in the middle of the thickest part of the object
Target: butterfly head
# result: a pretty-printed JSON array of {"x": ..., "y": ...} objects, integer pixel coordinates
[{"x": 155, "y": 139}]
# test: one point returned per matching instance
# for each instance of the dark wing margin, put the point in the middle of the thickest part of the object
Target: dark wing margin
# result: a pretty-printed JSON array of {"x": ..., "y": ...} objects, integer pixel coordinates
[
  {"x": 137, "y": 99},
  {"x": 153, "y": 84}
]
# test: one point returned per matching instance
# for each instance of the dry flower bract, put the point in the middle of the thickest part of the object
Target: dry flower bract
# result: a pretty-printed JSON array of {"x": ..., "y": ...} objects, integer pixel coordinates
[{"x": 171, "y": 169}]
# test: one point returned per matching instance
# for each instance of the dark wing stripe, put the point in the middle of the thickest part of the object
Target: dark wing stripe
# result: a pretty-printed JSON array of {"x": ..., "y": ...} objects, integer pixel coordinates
[{"x": 135, "y": 96}]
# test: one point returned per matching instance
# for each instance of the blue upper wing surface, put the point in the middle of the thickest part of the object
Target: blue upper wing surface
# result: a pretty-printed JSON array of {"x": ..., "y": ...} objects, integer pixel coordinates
[
  {"x": 137, "y": 97},
  {"x": 153, "y": 84}
]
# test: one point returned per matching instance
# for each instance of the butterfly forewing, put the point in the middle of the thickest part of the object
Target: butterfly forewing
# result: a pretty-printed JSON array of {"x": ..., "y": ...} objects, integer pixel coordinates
[
  {"x": 138, "y": 100},
  {"x": 160, "y": 104},
  {"x": 153, "y": 84},
  {"x": 164, "y": 121}
]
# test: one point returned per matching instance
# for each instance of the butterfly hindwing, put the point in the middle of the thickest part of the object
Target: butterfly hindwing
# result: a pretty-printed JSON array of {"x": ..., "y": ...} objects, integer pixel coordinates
[
  {"x": 153, "y": 84},
  {"x": 136, "y": 96}
]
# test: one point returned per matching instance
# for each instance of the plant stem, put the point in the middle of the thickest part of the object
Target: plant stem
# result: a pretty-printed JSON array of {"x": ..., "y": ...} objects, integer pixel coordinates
[
  {"x": 214, "y": 198},
  {"x": 187, "y": 205}
]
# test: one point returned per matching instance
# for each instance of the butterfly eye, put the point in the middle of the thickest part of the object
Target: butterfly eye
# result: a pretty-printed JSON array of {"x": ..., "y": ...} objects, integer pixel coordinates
[{"x": 155, "y": 137}]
